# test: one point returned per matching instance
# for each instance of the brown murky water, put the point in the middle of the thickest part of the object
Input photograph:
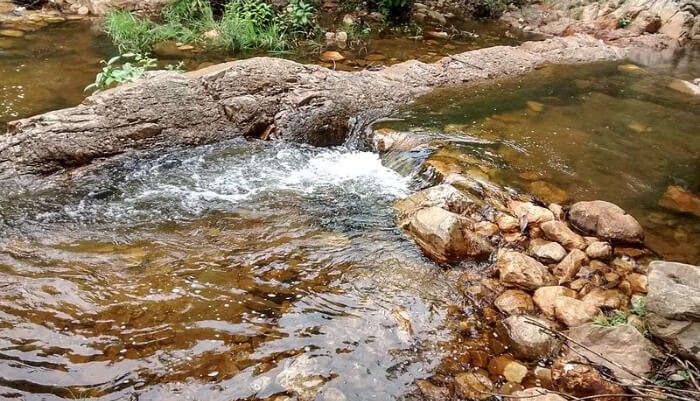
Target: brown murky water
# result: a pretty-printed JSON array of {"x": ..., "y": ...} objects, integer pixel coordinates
[{"x": 606, "y": 131}]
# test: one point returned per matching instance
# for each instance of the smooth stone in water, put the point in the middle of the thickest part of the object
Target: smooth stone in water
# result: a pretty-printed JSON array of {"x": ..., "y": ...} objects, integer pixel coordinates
[
  {"x": 606, "y": 220},
  {"x": 12, "y": 33}
]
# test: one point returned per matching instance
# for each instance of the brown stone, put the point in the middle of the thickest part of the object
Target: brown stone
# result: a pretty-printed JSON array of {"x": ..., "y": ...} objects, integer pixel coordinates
[
  {"x": 638, "y": 283},
  {"x": 507, "y": 223},
  {"x": 604, "y": 298},
  {"x": 680, "y": 200},
  {"x": 473, "y": 385},
  {"x": 532, "y": 213},
  {"x": 486, "y": 228},
  {"x": 331, "y": 55},
  {"x": 573, "y": 312},
  {"x": 519, "y": 270},
  {"x": 558, "y": 231},
  {"x": 549, "y": 192},
  {"x": 545, "y": 297},
  {"x": 606, "y": 220},
  {"x": 567, "y": 269},
  {"x": 599, "y": 250},
  {"x": 546, "y": 251},
  {"x": 432, "y": 392},
  {"x": 512, "y": 302},
  {"x": 576, "y": 377}
]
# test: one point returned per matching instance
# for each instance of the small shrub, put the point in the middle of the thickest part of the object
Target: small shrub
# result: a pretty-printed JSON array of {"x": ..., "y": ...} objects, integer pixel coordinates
[
  {"x": 623, "y": 22},
  {"x": 394, "y": 9},
  {"x": 616, "y": 318},
  {"x": 132, "y": 67},
  {"x": 301, "y": 16},
  {"x": 489, "y": 8},
  {"x": 242, "y": 27},
  {"x": 638, "y": 307}
]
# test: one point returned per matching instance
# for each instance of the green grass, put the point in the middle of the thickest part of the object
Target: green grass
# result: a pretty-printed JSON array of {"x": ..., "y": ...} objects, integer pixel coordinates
[
  {"x": 239, "y": 29},
  {"x": 130, "y": 33},
  {"x": 615, "y": 318}
]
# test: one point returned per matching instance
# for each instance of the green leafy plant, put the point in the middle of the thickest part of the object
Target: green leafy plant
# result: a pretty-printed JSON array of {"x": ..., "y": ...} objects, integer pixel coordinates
[
  {"x": 302, "y": 16},
  {"x": 394, "y": 8},
  {"x": 623, "y": 21},
  {"x": 615, "y": 318},
  {"x": 179, "y": 67},
  {"x": 489, "y": 8},
  {"x": 638, "y": 307},
  {"x": 357, "y": 31},
  {"x": 241, "y": 27},
  {"x": 122, "y": 68}
]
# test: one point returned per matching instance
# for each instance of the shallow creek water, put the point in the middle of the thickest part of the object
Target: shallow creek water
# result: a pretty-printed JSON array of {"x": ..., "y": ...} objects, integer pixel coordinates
[{"x": 251, "y": 270}]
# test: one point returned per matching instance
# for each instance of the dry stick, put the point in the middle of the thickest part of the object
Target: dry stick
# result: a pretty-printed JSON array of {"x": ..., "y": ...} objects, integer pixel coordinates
[
  {"x": 691, "y": 372},
  {"x": 567, "y": 338}
]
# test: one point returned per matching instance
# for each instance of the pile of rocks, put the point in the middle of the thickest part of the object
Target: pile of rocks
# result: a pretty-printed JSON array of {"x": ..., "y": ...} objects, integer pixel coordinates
[{"x": 546, "y": 269}]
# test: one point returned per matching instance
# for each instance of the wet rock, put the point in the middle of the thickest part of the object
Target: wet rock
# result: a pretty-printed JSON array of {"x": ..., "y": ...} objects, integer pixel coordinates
[
  {"x": 599, "y": 250},
  {"x": 12, "y": 33},
  {"x": 604, "y": 298},
  {"x": 606, "y": 220},
  {"x": 575, "y": 376},
  {"x": 534, "y": 106},
  {"x": 567, "y": 269},
  {"x": 527, "y": 340},
  {"x": 432, "y": 392},
  {"x": 443, "y": 236},
  {"x": 507, "y": 367},
  {"x": 535, "y": 394},
  {"x": 631, "y": 69},
  {"x": 444, "y": 196},
  {"x": 507, "y": 222},
  {"x": 685, "y": 87},
  {"x": 513, "y": 302},
  {"x": 558, "y": 231},
  {"x": 545, "y": 297},
  {"x": 385, "y": 140},
  {"x": 438, "y": 35},
  {"x": 473, "y": 385},
  {"x": 673, "y": 306},
  {"x": 522, "y": 271},
  {"x": 573, "y": 312},
  {"x": 680, "y": 200},
  {"x": 533, "y": 213},
  {"x": 623, "y": 345},
  {"x": 331, "y": 55},
  {"x": 549, "y": 192},
  {"x": 558, "y": 211},
  {"x": 486, "y": 228},
  {"x": 546, "y": 251}
]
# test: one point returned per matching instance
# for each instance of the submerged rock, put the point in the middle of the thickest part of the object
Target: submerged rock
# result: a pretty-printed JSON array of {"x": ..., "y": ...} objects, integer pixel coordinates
[
  {"x": 685, "y": 87},
  {"x": 673, "y": 306},
  {"x": 680, "y": 200},
  {"x": 606, "y": 220},
  {"x": 444, "y": 236},
  {"x": 549, "y": 192},
  {"x": 519, "y": 270},
  {"x": 473, "y": 385}
]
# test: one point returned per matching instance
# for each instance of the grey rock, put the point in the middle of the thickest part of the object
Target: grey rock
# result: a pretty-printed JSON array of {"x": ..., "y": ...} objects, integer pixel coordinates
[
  {"x": 673, "y": 306},
  {"x": 528, "y": 340}
]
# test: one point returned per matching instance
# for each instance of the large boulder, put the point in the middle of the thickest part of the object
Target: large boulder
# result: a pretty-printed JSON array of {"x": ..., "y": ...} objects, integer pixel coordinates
[
  {"x": 527, "y": 339},
  {"x": 621, "y": 345},
  {"x": 519, "y": 270},
  {"x": 606, "y": 220},
  {"x": 673, "y": 306},
  {"x": 444, "y": 236}
]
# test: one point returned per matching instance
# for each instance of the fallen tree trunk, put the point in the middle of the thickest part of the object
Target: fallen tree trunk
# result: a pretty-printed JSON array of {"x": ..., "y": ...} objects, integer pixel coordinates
[{"x": 260, "y": 97}]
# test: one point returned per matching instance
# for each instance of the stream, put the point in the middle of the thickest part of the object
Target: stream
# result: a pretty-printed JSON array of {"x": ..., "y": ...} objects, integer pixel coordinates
[{"x": 257, "y": 270}]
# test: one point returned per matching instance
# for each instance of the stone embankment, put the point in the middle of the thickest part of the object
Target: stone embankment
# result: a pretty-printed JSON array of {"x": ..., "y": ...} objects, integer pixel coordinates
[{"x": 259, "y": 97}]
